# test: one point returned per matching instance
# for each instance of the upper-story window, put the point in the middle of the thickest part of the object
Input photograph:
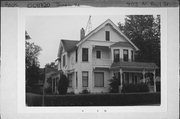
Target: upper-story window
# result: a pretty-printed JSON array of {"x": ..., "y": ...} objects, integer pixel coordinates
[
  {"x": 64, "y": 60},
  {"x": 107, "y": 33},
  {"x": 76, "y": 55},
  {"x": 132, "y": 55},
  {"x": 125, "y": 55},
  {"x": 116, "y": 55},
  {"x": 98, "y": 54},
  {"x": 84, "y": 54}
]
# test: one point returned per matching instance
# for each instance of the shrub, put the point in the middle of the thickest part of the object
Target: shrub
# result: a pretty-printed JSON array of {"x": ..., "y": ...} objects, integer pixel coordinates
[
  {"x": 85, "y": 91},
  {"x": 63, "y": 85},
  {"x": 130, "y": 88},
  {"x": 103, "y": 99},
  {"x": 114, "y": 85}
]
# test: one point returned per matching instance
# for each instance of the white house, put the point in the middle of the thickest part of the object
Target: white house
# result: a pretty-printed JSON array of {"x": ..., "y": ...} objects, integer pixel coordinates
[{"x": 93, "y": 60}]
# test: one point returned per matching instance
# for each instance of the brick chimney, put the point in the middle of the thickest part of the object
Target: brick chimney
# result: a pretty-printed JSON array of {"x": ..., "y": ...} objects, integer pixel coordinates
[{"x": 82, "y": 33}]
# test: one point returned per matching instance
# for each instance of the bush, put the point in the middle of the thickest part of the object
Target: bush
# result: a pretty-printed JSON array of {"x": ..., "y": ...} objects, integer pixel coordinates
[
  {"x": 103, "y": 99},
  {"x": 114, "y": 85},
  {"x": 130, "y": 88},
  {"x": 85, "y": 91},
  {"x": 63, "y": 85}
]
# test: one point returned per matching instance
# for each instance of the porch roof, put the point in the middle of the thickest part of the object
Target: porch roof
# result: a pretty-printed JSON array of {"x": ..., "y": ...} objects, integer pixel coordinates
[
  {"x": 134, "y": 65},
  {"x": 122, "y": 44}
]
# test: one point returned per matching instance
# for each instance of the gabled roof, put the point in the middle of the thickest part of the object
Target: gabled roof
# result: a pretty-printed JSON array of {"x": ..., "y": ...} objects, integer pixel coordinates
[
  {"x": 122, "y": 44},
  {"x": 135, "y": 65},
  {"x": 69, "y": 45},
  {"x": 108, "y": 21}
]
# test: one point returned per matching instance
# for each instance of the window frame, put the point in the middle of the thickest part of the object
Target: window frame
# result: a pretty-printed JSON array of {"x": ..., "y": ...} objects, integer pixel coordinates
[
  {"x": 107, "y": 35},
  {"x": 95, "y": 79},
  {"x": 132, "y": 55},
  {"x": 85, "y": 79},
  {"x": 84, "y": 55},
  {"x": 114, "y": 60},
  {"x": 124, "y": 55},
  {"x": 70, "y": 75},
  {"x": 76, "y": 79},
  {"x": 64, "y": 60},
  {"x": 99, "y": 54}
]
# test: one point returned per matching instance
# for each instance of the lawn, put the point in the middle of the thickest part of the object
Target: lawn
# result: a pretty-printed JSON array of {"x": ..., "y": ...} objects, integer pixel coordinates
[{"x": 109, "y": 99}]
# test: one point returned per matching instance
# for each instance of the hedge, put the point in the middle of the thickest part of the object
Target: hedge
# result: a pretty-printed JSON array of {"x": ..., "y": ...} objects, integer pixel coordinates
[{"x": 100, "y": 99}]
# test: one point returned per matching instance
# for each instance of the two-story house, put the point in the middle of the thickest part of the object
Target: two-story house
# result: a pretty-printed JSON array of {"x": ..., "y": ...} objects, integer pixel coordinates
[{"x": 93, "y": 60}]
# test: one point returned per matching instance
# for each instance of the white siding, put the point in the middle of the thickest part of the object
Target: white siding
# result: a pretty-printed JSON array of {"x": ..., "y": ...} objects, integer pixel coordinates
[{"x": 100, "y": 35}]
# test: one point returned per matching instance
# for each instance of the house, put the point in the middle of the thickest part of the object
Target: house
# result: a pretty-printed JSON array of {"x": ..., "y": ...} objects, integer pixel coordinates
[
  {"x": 52, "y": 76},
  {"x": 104, "y": 52}
]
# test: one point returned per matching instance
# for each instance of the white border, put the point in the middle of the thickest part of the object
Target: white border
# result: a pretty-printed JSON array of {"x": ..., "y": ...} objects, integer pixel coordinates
[{"x": 24, "y": 12}]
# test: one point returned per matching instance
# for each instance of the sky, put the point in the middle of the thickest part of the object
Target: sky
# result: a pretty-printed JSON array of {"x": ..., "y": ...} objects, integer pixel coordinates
[{"x": 47, "y": 31}]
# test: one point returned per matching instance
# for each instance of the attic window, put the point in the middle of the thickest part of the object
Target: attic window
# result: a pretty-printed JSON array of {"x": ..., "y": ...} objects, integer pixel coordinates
[{"x": 107, "y": 35}]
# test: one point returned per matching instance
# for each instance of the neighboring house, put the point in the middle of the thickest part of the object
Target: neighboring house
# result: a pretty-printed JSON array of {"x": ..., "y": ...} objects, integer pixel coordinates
[
  {"x": 52, "y": 77},
  {"x": 93, "y": 60}
]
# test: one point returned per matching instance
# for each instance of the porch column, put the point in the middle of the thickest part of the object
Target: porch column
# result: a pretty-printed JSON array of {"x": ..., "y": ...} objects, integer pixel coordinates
[
  {"x": 121, "y": 81},
  {"x": 143, "y": 76},
  {"x": 154, "y": 77}
]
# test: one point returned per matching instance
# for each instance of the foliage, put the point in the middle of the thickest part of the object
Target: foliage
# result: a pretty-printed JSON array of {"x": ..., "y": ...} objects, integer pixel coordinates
[
  {"x": 109, "y": 99},
  {"x": 144, "y": 32},
  {"x": 63, "y": 85},
  {"x": 32, "y": 63},
  {"x": 114, "y": 85},
  {"x": 51, "y": 65},
  {"x": 131, "y": 88},
  {"x": 85, "y": 91}
]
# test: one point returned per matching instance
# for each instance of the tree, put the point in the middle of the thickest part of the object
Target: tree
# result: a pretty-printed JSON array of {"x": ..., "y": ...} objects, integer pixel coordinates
[
  {"x": 32, "y": 63},
  {"x": 51, "y": 65},
  {"x": 144, "y": 32},
  {"x": 63, "y": 84},
  {"x": 114, "y": 85}
]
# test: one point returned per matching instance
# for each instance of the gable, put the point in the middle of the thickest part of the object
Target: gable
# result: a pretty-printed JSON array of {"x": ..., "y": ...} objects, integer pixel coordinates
[
  {"x": 66, "y": 46},
  {"x": 108, "y": 24},
  {"x": 101, "y": 35}
]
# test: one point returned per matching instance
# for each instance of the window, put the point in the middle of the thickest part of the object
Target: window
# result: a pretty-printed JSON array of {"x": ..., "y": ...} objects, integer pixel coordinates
[
  {"x": 76, "y": 79},
  {"x": 85, "y": 79},
  {"x": 64, "y": 60},
  {"x": 116, "y": 55},
  {"x": 76, "y": 55},
  {"x": 132, "y": 55},
  {"x": 125, "y": 55},
  {"x": 107, "y": 36},
  {"x": 99, "y": 79},
  {"x": 85, "y": 54},
  {"x": 98, "y": 54},
  {"x": 70, "y": 80}
]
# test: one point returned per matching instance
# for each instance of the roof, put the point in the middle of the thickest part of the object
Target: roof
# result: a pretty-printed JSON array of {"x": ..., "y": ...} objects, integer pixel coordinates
[
  {"x": 123, "y": 44},
  {"x": 108, "y": 21},
  {"x": 69, "y": 45},
  {"x": 135, "y": 65}
]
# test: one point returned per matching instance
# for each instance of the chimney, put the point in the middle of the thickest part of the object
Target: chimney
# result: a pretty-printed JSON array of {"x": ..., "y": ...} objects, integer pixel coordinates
[{"x": 82, "y": 33}]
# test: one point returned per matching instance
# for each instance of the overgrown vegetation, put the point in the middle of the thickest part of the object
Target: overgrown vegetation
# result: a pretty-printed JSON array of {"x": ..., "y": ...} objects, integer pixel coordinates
[
  {"x": 144, "y": 32},
  {"x": 95, "y": 99},
  {"x": 63, "y": 85},
  {"x": 114, "y": 85},
  {"x": 133, "y": 88}
]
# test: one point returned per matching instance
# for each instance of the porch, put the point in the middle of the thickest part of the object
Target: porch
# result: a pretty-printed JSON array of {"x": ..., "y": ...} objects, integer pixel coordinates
[{"x": 135, "y": 73}]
